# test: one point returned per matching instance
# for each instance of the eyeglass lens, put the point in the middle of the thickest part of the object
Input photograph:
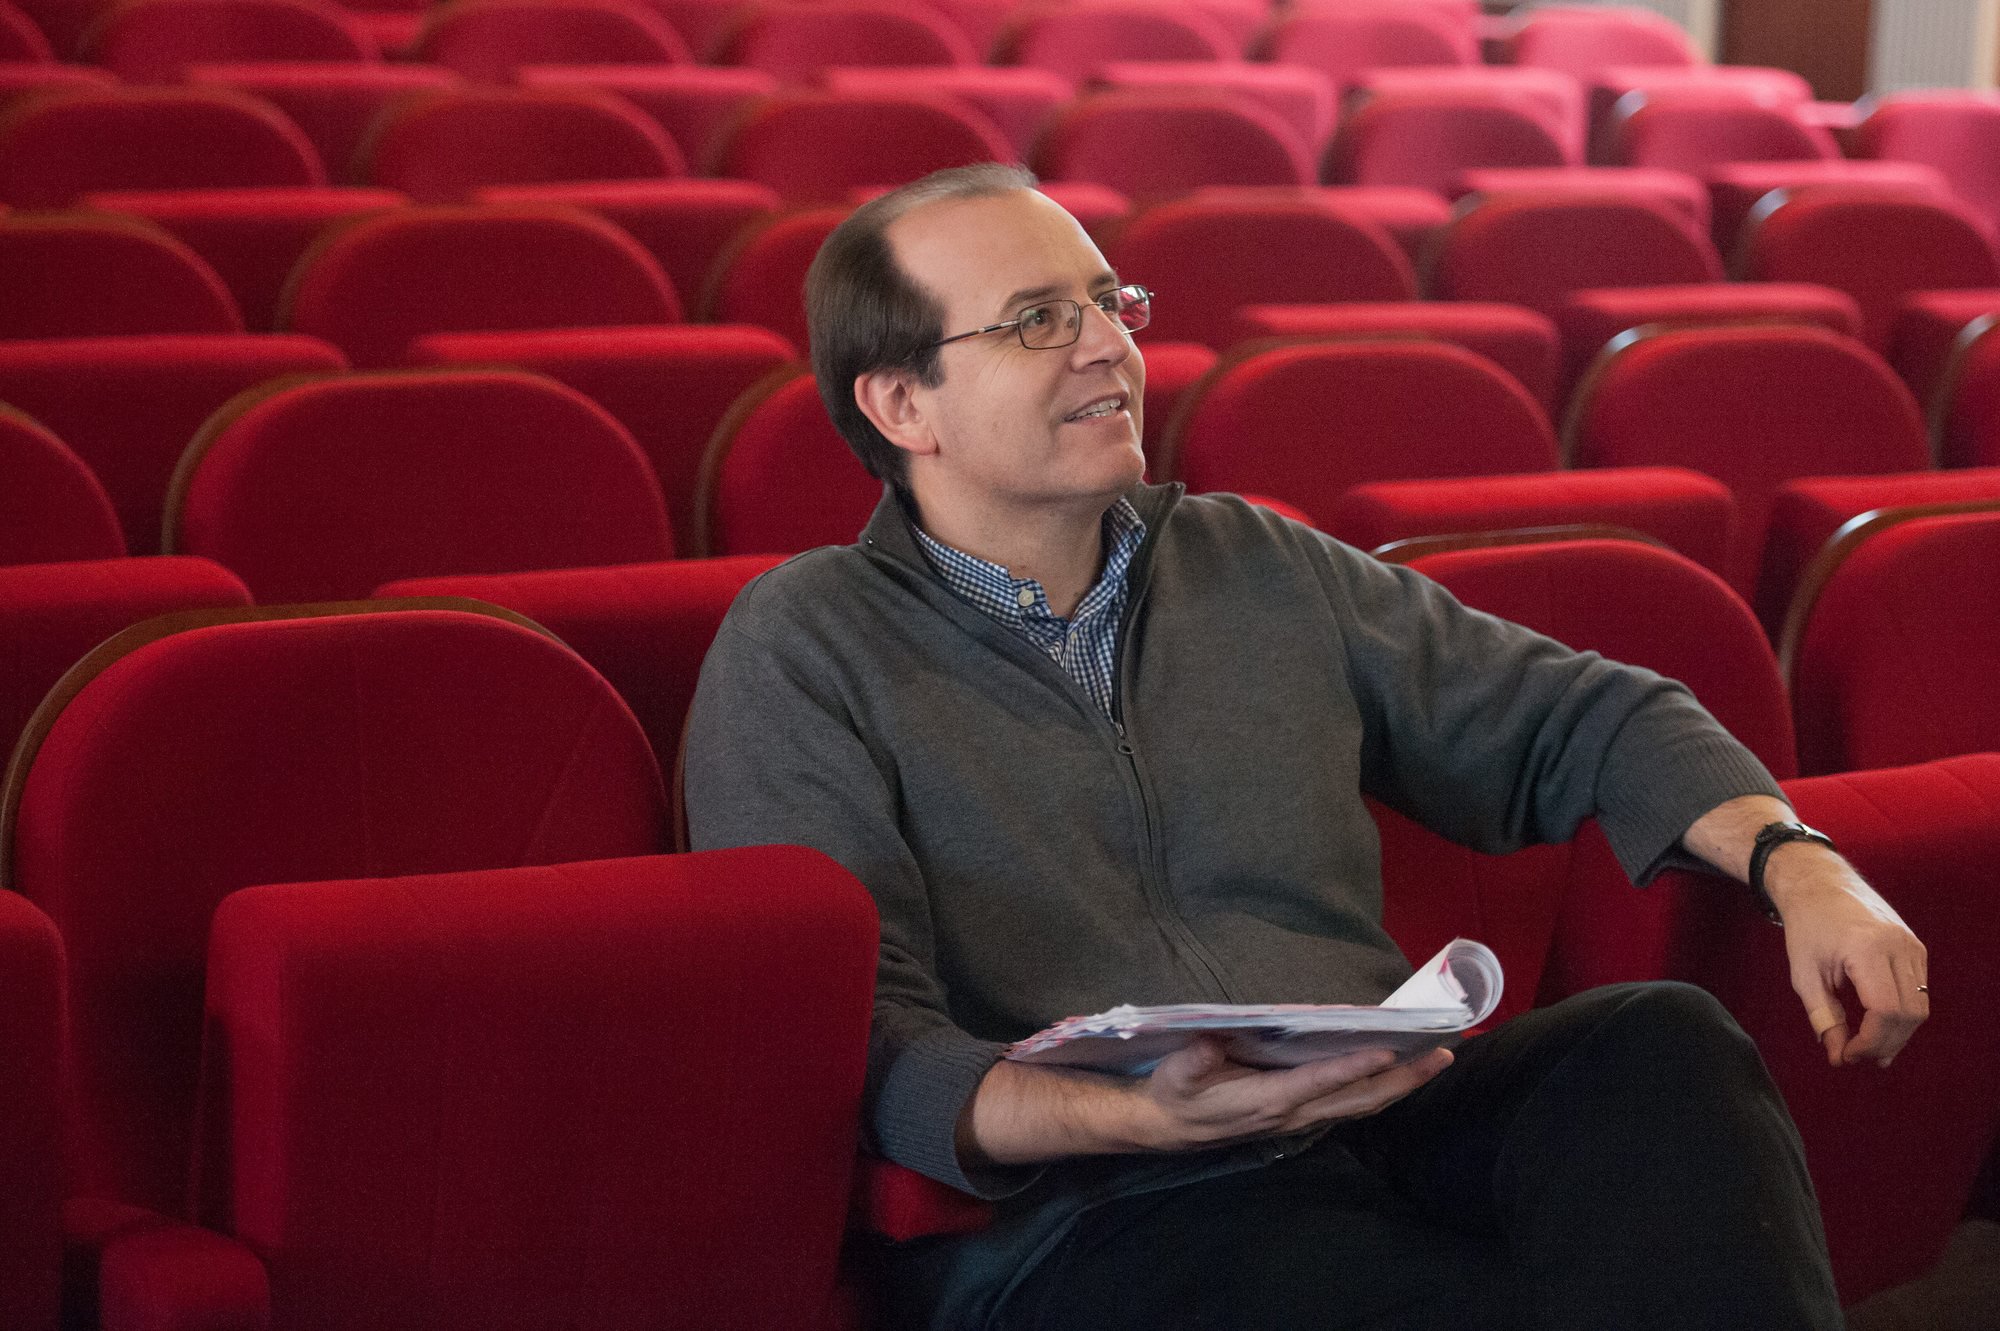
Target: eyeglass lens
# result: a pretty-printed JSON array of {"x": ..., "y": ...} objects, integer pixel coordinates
[{"x": 1058, "y": 323}]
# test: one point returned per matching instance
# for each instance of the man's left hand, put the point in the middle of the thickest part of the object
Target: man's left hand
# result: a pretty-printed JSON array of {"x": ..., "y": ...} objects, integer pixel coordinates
[{"x": 1838, "y": 929}]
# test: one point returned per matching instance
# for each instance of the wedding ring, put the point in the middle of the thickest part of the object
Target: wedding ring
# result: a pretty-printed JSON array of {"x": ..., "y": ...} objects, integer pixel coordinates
[
  {"x": 1824, "y": 1019},
  {"x": 1923, "y": 988}
]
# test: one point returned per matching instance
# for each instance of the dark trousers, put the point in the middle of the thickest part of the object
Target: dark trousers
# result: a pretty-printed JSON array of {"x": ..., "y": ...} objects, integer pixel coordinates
[{"x": 1618, "y": 1161}]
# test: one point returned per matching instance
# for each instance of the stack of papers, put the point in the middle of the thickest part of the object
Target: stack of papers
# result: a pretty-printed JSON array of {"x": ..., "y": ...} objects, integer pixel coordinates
[{"x": 1452, "y": 992}]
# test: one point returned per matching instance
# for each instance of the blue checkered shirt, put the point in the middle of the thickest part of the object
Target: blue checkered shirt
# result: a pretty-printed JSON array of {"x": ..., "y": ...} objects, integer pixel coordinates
[{"x": 1086, "y": 644}]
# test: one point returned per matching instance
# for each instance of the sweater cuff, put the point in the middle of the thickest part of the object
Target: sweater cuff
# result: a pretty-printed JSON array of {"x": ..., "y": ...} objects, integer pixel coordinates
[
  {"x": 1645, "y": 820},
  {"x": 916, "y": 1115}
]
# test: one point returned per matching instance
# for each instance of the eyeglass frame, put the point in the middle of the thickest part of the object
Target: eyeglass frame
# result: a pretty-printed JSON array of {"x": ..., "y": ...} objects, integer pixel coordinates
[{"x": 1015, "y": 322}]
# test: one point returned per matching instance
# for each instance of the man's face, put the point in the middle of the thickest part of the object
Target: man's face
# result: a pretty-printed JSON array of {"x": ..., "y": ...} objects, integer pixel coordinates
[{"x": 1010, "y": 423}]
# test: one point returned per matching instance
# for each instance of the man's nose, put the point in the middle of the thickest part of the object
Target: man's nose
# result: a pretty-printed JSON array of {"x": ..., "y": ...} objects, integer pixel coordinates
[{"x": 1102, "y": 340}]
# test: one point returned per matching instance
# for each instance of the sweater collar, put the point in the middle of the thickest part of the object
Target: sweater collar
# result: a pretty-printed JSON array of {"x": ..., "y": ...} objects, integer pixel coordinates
[{"x": 891, "y": 530}]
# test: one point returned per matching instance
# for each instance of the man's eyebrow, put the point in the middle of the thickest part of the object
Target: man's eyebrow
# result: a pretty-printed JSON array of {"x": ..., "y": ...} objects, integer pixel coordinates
[{"x": 1029, "y": 295}]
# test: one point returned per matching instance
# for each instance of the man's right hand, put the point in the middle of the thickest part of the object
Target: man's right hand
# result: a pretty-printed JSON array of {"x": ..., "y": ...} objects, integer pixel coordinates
[{"x": 1028, "y": 1114}]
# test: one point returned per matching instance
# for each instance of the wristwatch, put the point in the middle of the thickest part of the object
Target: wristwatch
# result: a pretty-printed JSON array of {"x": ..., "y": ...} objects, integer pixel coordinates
[{"x": 1769, "y": 838}]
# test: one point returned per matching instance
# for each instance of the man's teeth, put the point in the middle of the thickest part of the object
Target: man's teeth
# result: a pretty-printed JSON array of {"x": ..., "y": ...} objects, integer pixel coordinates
[{"x": 1101, "y": 409}]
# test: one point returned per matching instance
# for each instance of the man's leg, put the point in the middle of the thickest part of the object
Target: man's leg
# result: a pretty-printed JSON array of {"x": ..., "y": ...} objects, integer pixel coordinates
[{"x": 1630, "y": 1150}]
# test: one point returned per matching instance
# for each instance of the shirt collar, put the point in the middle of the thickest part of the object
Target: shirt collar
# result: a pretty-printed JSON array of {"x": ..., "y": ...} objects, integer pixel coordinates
[{"x": 995, "y": 590}]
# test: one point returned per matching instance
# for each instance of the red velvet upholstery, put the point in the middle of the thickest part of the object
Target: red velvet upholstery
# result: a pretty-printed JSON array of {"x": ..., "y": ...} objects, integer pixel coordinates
[
  {"x": 154, "y": 41},
  {"x": 372, "y": 285},
  {"x": 19, "y": 79},
  {"x": 816, "y": 146},
  {"x": 1074, "y": 41},
  {"x": 1018, "y": 100},
  {"x": 1955, "y": 131},
  {"x": 31, "y": 1022},
  {"x": 489, "y": 39},
  {"x": 51, "y": 615},
  {"x": 1100, "y": 208},
  {"x": 1428, "y": 139},
  {"x": 1893, "y": 1152},
  {"x": 796, "y": 42},
  {"x": 1806, "y": 513},
  {"x": 189, "y": 765},
  {"x": 644, "y": 627},
  {"x": 1151, "y": 142},
  {"x": 694, "y": 104},
  {"x": 699, "y": 22},
  {"x": 761, "y": 278},
  {"x": 1406, "y": 409},
  {"x": 79, "y": 275},
  {"x": 438, "y": 147},
  {"x": 1753, "y": 407},
  {"x": 1969, "y": 406},
  {"x": 1219, "y": 254},
  {"x": 332, "y": 105},
  {"x": 1877, "y": 249},
  {"x": 1518, "y": 340},
  {"x": 252, "y": 238},
  {"x": 1581, "y": 41},
  {"x": 1341, "y": 41},
  {"x": 1591, "y": 317},
  {"x": 693, "y": 1027},
  {"x": 778, "y": 478},
  {"x": 1551, "y": 97},
  {"x": 1893, "y": 662},
  {"x": 1172, "y": 369},
  {"x": 1535, "y": 252},
  {"x": 63, "y": 21},
  {"x": 129, "y": 405},
  {"x": 1735, "y": 190},
  {"x": 1695, "y": 130},
  {"x": 1769, "y": 87},
  {"x": 325, "y": 489},
  {"x": 1927, "y": 336},
  {"x": 51, "y": 506},
  {"x": 686, "y": 225},
  {"x": 1676, "y": 189},
  {"x": 66, "y": 144},
  {"x": 1692, "y": 513},
  {"x": 670, "y": 387},
  {"x": 1303, "y": 98},
  {"x": 21, "y": 42}
]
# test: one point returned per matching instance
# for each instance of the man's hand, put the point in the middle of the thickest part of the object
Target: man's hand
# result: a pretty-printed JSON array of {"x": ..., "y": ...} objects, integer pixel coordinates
[
  {"x": 1025, "y": 1113},
  {"x": 1837, "y": 930}
]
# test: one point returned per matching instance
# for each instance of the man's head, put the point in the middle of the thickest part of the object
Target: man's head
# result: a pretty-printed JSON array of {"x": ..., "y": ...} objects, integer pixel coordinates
[{"x": 957, "y": 251}]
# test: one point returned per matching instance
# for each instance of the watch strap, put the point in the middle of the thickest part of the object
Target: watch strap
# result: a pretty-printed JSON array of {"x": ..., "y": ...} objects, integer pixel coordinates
[{"x": 1769, "y": 838}]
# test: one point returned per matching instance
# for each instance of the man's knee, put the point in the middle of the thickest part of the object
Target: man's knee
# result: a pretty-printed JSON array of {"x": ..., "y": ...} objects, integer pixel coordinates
[{"x": 1671, "y": 1025}]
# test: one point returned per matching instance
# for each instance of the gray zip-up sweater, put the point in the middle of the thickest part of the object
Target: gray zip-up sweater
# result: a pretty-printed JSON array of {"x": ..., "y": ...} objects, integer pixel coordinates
[{"x": 1033, "y": 858}]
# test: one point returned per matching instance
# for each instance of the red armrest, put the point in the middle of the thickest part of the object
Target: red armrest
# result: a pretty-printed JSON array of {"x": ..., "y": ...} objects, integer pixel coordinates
[
  {"x": 901, "y": 1204},
  {"x": 143, "y": 1271}
]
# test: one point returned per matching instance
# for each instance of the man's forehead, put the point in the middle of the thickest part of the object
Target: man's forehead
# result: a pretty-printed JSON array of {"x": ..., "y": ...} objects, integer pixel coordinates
[{"x": 980, "y": 250}]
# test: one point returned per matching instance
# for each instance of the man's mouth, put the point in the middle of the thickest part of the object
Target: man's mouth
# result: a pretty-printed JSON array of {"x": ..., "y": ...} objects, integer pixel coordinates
[{"x": 1102, "y": 407}]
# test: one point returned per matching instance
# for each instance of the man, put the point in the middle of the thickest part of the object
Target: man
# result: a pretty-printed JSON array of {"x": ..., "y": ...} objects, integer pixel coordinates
[{"x": 1091, "y": 742}]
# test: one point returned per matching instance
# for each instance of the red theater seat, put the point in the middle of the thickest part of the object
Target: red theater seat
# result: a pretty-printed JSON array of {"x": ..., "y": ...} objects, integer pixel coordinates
[
  {"x": 1956, "y": 132},
  {"x": 1219, "y": 254},
  {"x": 155, "y": 41},
  {"x": 327, "y": 488},
  {"x": 1889, "y": 635},
  {"x": 694, "y": 104},
  {"x": 778, "y": 478},
  {"x": 1591, "y": 318},
  {"x": 332, "y": 105},
  {"x": 372, "y": 285},
  {"x": 1583, "y": 40},
  {"x": 1017, "y": 99},
  {"x": 1690, "y": 513},
  {"x": 671, "y": 387},
  {"x": 129, "y": 405},
  {"x": 1303, "y": 98},
  {"x": 1074, "y": 41},
  {"x": 1931, "y": 330},
  {"x": 1147, "y": 143},
  {"x": 21, "y": 41},
  {"x": 1428, "y": 139},
  {"x": 19, "y": 80},
  {"x": 31, "y": 1025},
  {"x": 1676, "y": 189},
  {"x": 1878, "y": 249},
  {"x": 53, "y": 614},
  {"x": 1341, "y": 41},
  {"x": 252, "y": 238},
  {"x": 588, "y": 996},
  {"x": 84, "y": 275},
  {"x": 1698, "y": 129},
  {"x": 1736, "y": 190},
  {"x": 1553, "y": 98},
  {"x": 303, "y": 746},
  {"x": 797, "y": 42},
  {"x": 487, "y": 40},
  {"x": 1518, "y": 340},
  {"x": 644, "y": 627},
  {"x": 1172, "y": 369},
  {"x": 1262, "y": 422},
  {"x": 51, "y": 508},
  {"x": 761, "y": 278},
  {"x": 1968, "y": 414},
  {"x": 817, "y": 147},
  {"x": 1755, "y": 83},
  {"x": 1535, "y": 252},
  {"x": 66, "y": 144},
  {"x": 441, "y": 146}
]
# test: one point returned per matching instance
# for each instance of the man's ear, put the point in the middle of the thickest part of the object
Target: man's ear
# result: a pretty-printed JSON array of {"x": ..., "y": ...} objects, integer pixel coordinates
[{"x": 888, "y": 398}]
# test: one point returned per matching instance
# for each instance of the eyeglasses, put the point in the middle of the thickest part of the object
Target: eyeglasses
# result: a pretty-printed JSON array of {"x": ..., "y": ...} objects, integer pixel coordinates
[{"x": 1053, "y": 324}]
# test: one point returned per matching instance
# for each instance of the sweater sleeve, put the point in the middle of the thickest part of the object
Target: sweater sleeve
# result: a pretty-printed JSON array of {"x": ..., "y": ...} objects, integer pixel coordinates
[
  {"x": 773, "y": 756},
  {"x": 1496, "y": 736}
]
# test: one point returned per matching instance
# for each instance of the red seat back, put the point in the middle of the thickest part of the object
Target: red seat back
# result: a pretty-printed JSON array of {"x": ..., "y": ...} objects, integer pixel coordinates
[
  {"x": 325, "y": 489},
  {"x": 1957, "y": 132},
  {"x": 1969, "y": 399},
  {"x": 334, "y": 745},
  {"x": 21, "y": 41},
  {"x": 1220, "y": 254},
  {"x": 1074, "y": 41},
  {"x": 440, "y": 146},
  {"x": 778, "y": 478},
  {"x": 762, "y": 278},
  {"x": 797, "y": 42},
  {"x": 332, "y": 104},
  {"x": 488, "y": 40},
  {"x": 1581, "y": 40},
  {"x": 86, "y": 275},
  {"x": 1695, "y": 130},
  {"x": 1149, "y": 142},
  {"x": 1536, "y": 252},
  {"x": 154, "y": 41},
  {"x": 51, "y": 507},
  {"x": 821, "y": 147},
  {"x": 1341, "y": 41},
  {"x": 373, "y": 285},
  {"x": 63, "y": 145},
  {"x": 1426, "y": 139},
  {"x": 31, "y": 1023},
  {"x": 1262, "y": 423}
]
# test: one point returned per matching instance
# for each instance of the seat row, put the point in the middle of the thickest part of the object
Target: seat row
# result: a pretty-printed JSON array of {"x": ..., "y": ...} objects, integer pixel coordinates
[{"x": 549, "y": 1020}]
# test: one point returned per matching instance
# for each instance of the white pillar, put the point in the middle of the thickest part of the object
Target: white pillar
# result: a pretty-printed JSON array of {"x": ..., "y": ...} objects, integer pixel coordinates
[{"x": 1933, "y": 44}]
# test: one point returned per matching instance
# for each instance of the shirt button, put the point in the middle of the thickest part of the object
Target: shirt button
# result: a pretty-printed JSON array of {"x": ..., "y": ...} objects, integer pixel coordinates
[{"x": 1024, "y": 598}]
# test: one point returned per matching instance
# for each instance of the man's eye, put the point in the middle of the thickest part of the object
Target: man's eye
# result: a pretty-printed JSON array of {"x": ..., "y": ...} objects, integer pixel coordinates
[
  {"x": 1112, "y": 303},
  {"x": 1036, "y": 316}
]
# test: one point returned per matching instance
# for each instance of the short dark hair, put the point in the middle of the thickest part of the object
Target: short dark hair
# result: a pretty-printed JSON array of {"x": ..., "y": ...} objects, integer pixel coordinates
[{"x": 864, "y": 313}]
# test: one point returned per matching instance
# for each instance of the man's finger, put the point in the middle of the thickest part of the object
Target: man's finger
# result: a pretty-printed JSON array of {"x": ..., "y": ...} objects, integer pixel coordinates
[
  {"x": 1886, "y": 1023},
  {"x": 1825, "y": 1015},
  {"x": 1372, "y": 1094}
]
